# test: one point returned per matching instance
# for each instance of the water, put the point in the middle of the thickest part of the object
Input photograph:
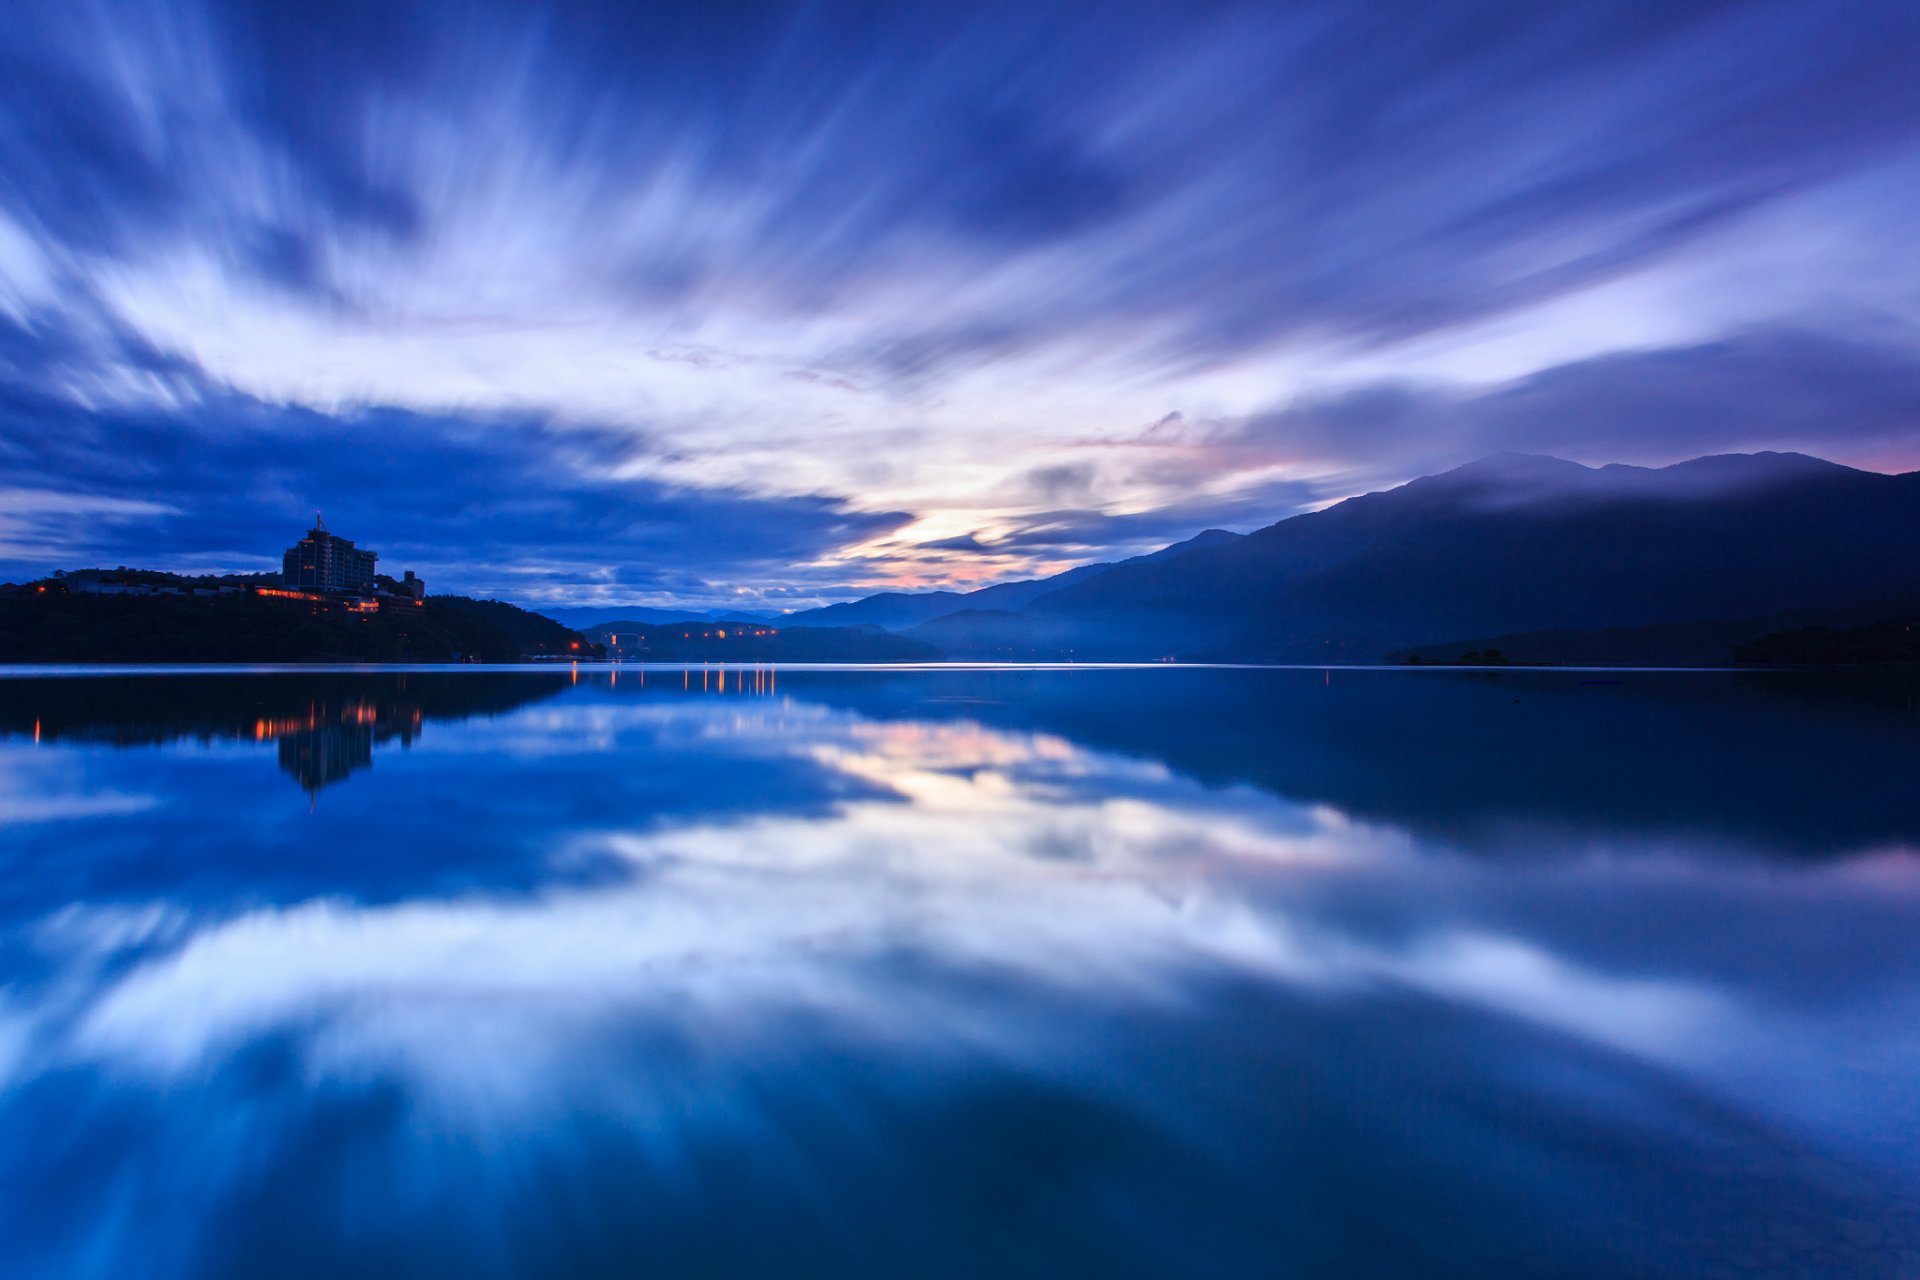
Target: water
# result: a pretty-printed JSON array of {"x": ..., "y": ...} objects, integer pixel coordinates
[{"x": 1142, "y": 972}]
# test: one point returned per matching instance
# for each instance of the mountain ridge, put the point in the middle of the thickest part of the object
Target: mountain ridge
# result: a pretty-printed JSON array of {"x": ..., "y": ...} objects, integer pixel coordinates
[
  {"x": 1504, "y": 545},
  {"x": 901, "y": 609},
  {"x": 1565, "y": 560}
]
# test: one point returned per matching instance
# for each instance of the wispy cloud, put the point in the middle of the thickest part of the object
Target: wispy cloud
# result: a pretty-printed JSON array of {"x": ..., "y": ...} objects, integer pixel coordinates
[{"x": 924, "y": 257}]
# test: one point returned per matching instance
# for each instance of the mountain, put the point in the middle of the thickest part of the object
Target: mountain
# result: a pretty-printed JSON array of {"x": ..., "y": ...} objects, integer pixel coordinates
[
  {"x": 1199, "y": 541},
  {"x": 900, "y": 610},
  {"x": 893, "y": 610},
  {"x": 714, "y": 643},
  {"x": 583, "y": 616},
  {"x": 486, "y": 622},
  {"x": 1512, "y": 544}
]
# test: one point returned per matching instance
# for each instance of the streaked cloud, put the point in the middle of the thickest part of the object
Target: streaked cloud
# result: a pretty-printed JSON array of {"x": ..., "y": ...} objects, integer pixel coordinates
[{"x": 919, "y": 260}]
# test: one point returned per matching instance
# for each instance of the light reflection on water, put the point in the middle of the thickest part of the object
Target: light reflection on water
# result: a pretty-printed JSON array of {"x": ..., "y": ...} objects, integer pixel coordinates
[{"x": 956, "y": 973}]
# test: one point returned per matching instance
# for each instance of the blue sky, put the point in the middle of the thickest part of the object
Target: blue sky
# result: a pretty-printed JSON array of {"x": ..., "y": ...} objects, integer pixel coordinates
[{"x": 775, "y": 304}]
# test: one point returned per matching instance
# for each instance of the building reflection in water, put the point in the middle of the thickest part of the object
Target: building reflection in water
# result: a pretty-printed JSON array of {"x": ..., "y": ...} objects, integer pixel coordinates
[
  {"x": 322, "y": 756},
  {"x": 327, "y": 744},
  {"x": 324, "y": 725},
  {"x": 333, "y": 739}
]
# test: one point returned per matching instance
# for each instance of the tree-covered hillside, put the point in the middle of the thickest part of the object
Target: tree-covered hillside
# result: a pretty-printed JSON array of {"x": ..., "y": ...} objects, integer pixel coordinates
[{"x": 55, "y": 625}]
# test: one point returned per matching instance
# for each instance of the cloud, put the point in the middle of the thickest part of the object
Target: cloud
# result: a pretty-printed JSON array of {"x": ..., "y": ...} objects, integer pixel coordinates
[
  {"x": 922, "y": 256},
  {"x": 1062, "y": 481},
  {"x": 1235, "y": 176},
  {"x": 1777, "y": 388},
  {"x": 965, "y": 542},
  {"x": 1084, "y": 531},
  {"x": 498, "y": 504}
]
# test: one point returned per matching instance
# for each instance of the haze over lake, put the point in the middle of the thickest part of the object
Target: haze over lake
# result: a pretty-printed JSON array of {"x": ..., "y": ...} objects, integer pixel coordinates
[{"x": 959, "y": 972}]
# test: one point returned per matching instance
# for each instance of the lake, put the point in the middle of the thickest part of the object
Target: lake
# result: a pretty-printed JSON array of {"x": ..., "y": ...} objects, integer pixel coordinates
[{"x": 958, "y": 972}]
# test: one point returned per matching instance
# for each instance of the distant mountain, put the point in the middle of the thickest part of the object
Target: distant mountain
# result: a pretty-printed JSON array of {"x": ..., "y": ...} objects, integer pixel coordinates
[
  {"x": 893, "y": 610},
  {"x": 900, "y": 610},
  {"x": 583, "y": 616},
  {"x": 685, "y": 642},
  {"x": 1513, "y": 544}
]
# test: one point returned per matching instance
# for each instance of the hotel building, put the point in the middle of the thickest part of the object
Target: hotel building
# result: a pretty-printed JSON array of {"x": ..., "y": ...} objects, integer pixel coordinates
[{"x": 322, "y": 562}]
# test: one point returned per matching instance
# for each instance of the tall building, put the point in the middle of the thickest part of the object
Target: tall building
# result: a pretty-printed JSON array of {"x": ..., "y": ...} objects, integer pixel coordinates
[{"x": 322, "y": 562}]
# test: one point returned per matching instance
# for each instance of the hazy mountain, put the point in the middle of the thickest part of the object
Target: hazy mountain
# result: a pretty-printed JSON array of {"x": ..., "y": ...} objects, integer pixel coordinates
[
  {"x": 894, "y": 610},
  {"x": 714, "y": 643},
  {"x": 1205, "y": 538},
  {"x": 900, "y": 610},
  {"x": 582, "y": 617},
  {"x": 1508, "y": 545}
]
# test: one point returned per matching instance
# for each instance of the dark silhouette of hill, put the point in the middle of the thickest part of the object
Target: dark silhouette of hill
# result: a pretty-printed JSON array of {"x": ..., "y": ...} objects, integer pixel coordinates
[
  {"x": 530, "y": 634},
  {"x": 54, "y": 625},
  {"x": 1893, "y": 642},
  {"x": 1513, "y": 544},
  {"x": 1852, "y": 634}
]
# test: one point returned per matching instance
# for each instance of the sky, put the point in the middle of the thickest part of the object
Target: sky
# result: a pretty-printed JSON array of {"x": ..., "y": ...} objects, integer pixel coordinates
[{"x": 769, "y": 305}]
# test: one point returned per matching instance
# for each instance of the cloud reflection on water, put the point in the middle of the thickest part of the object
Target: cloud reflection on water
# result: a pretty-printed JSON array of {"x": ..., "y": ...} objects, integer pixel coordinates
[{"x": 959, "y": 906}]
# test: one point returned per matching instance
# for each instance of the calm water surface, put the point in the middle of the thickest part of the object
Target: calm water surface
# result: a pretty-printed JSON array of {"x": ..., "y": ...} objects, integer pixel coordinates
[{"x": 1150, "y": 972}]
